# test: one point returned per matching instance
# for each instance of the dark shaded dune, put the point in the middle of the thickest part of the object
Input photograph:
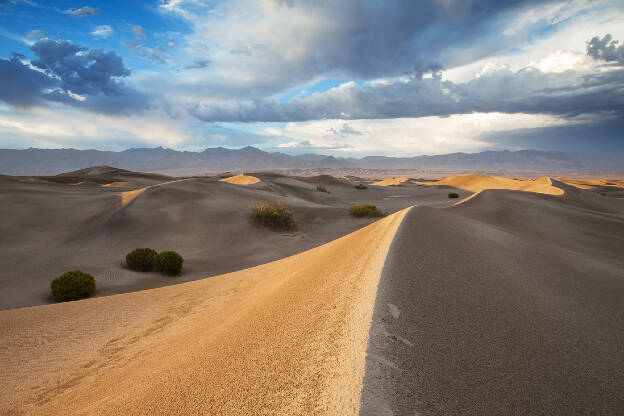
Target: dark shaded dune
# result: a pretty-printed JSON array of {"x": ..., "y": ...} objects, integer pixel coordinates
[{"x": 510, "y": 303}]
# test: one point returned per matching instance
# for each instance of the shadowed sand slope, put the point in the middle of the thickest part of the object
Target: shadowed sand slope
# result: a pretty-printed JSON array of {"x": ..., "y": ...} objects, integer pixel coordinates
[
  {"x": 508, "y": 304},
  {"x": 286, "y": 337},
  {"x": 593, "y": 183},
  {"x": 241, "y": 180}
]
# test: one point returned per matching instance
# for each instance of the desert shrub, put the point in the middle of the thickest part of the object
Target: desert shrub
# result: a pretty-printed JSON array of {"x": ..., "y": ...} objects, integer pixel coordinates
[
  {"x": 365, "y": 210},
  {"x": 72, "y": 285},
  {"x": 169, "y": 262},
  {"x": 141, "y": 259},
  {"x": 453, "y": 195},
  {"x": 273, "y": 216},
  {"x": 361, "y": 186},
  {"x": 321, "y": 188}
]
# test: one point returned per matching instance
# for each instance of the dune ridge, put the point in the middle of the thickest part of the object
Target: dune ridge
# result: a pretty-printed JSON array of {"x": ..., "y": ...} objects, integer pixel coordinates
[
  {"x": 593, "y": 183},
  {"x": 129, "y": 196},
  {"x": 477, "y": 183},
  {"x": 274, "y": 339},
  {"x": 390, "y": 181},
  {"x": 241, "y": 179}
]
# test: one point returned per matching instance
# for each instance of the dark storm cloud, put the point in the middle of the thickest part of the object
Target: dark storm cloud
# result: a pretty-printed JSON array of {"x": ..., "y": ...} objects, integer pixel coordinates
[
  {"x": 20, "y": 85},
  {"x": 63, "y": 68},
  {"x": 606, "y": 49},
  {"x": 525, "y": 91}
]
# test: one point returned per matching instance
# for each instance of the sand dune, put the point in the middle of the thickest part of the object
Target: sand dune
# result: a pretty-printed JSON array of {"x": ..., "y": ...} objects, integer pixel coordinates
[
  {"x": 593, "y": 183},
  {"x": 113, "y": 184},
  {"x": 205, "y": 220},
  {"x": 241, "y": 180},
  {"x": 390, "y": 182},
  {"x": 129, "y": 196},
  {"x": 477, "y": 183},
  {"x": 287, "y": 337},
  {"x": 510, "y": 303}
]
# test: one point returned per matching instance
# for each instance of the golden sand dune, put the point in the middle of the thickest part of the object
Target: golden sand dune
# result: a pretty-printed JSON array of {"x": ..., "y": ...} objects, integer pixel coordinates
[
  {"x": 129, "y": 196},
  {"x": 477, "y": 183},
  {"x": 390, "y": 182},
  {"x": 593, "y": 183},
  {"x": 287, "y": 337},
  {"x": 241, "y": 180},
  {"x": 114, "y": 184}
]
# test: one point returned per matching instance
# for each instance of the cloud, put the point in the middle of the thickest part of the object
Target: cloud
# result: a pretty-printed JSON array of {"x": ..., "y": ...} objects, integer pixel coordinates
[
  {"x": 153, "y": 54},
  {"x": 68, "y": 73},
  {"x": 35, "y": 34},
  {"x": 271, "y": 46},
  {"x": 138, "y": 31},
  {"x": 102, "y": 31},
  {"x": 82, "y": 12},
  {"x": 560, "y": 91},
  {"x": 20, "y": 85},
  {"x": 606, "y": 49}
]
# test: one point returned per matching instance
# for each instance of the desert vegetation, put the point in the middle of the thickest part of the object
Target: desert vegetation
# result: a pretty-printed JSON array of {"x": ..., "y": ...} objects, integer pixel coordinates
[
  {"x": 361, "y": 186},
  {"x": 453, "y": 195},
  {"x": 365, "y": 210},
  {"x": 321, "y": 188},
  {"x": 72, "y": 285},
  {"x": 169, "y": 262},
  {"x": 273, "y": 216},
  {"x": 141, "y": 259}
]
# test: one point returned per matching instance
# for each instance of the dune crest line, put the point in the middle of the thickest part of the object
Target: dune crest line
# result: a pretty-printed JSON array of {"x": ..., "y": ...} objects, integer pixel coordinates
[
  {"x": 273, "y": 339},
  {"x": 129, "y": 196}
]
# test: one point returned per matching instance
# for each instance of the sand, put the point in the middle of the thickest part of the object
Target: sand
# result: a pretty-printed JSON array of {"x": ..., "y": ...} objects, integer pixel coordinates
[
  {"x": 241, "y": 180},
  {"x": 129, "y": 196},
  {"x": 477, "y": 183},
  {"x": 287, "y": 337},
  {"x": 205, "y": 220},
  {"x": 390, "y": 182},
  {"x": 509, "y": 304},
  {"x": 114, "y": 184},
  {"x": 593, "y": 183}
]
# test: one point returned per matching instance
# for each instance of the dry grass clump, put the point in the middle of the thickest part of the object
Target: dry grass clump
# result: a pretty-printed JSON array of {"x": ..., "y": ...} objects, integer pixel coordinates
[
  {"x": 273, "y": 216},
  {"x": 365, "y": 210},
  {"x": 321, "y": 188},
  {"x": 453, "y": 195},
  {"x": 360, "y": 186}
]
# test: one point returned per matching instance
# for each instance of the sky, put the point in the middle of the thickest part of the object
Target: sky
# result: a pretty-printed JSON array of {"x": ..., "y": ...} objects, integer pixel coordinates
[{"x": 345, "y": 78}]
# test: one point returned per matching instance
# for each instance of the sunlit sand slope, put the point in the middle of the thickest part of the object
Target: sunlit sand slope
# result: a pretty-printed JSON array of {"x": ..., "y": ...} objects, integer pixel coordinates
[
  {"x": 593, "y": 183},
  {"x": 287, "y": 337},
  {"x": 241, "y": 180},
  {"x": 478, "y": 183},
  {"x": 390, "y": 182}
]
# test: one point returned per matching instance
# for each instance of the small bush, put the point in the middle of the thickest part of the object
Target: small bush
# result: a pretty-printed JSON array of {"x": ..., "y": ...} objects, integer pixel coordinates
[
  {"x": 321, "y": 188},
  {"x": 169, "y": 262},
  {"x": 72, "y": 285},
  {"x": 453, "y": 195},
  {"x": 365, "y": 210},
  {"x": 141, "y": 259},
  {"x": 273, "y": 216},
  {"x": 361, "y": 186}
]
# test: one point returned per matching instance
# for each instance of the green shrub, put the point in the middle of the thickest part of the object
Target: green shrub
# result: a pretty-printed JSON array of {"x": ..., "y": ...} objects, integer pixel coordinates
[
  {"x": 141, "y": 259},
  {"x": 169, "y": 262},
  {"x": 321, "y": 188},
  {"x": 361, "y": 186},
  {"x": 453, "y": 195},
  {"x": 365, "y": 210},
  {"x": 273, "y": 216},
  {"x": 72, "y": 285}
]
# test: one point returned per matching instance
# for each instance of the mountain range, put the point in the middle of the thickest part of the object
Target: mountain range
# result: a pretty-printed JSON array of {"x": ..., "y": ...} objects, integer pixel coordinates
[{"x": 212, "y": 160}]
